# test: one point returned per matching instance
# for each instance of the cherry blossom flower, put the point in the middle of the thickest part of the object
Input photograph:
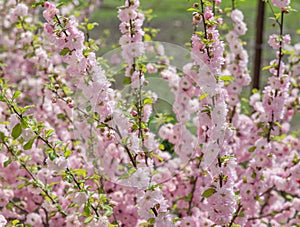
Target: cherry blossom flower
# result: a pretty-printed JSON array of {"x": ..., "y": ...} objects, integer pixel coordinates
[
  {"x": 34, "y": 219},
  {"x": 50, "y": 11},
  {"x": 281, "y": 3},
  {"x": 2, "y": 220}
]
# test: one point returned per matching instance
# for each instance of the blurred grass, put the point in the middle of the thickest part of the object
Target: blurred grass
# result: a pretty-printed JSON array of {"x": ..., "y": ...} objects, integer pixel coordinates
[{"x": 174, "y": 23}]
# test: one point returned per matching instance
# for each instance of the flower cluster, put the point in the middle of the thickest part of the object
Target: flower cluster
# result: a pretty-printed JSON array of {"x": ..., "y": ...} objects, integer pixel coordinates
[{"x": 237, "y": 60}]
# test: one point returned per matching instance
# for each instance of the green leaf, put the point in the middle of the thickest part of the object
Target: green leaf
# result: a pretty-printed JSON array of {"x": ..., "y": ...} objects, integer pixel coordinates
[
  {"x": 148, "y": 101},
  {"x": 64, "y": 51},
  {"x": 199, "y": 33},
  {"x": 49, "y": 132},
  {"x": 151, "y": 220},
  {"x": 109, "y": 210},
  {"x": 147, "y": 37},
  {"x": 277, "y": 15},
  {"x": 25, "y": 108},
  {"x": 127, "y": 174},
  {"x": 161, "y": 147},
  {"x": 7, "y": 162},
  {"x": 17, "y": 130},
  {"x": 90, "y": 26},
  {"x": 208, "y": 192},
  {"x": 67, "y": 153},
  {"x": 126, "y": 80},
  {"x": 2, "y": 136},
  {"x": 52, "y": 155},
  {"x": 20, "y": 186},
  {"x": 88, "y": 219},
  {"x": 191, "y": 9},
  {"x": 14, "y": 222},
  {"x": 16, "y": 94},
  {"x": 34, "y": 5},
  {"x": 188, "y": 197},
  {"x": 203, "y": 96},
  {"x": 158, "y": 157},
  {"x": 267, "y": 67},
  {"x": 79, "y": 172},
  {"x": 252, "y": 149},
  {"x": 86, "y": 209},
  {"x": 28, "y": 145},
  {"x": 226, "y": 78}
]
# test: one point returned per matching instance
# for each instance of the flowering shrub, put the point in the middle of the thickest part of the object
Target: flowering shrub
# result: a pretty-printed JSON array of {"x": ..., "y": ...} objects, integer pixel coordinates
[{"x": 89, "y": 141}]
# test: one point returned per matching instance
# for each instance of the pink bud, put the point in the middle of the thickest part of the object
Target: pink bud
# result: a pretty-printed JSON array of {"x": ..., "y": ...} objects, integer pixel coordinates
[
  {"x": 53, "y": 100},
  {"x": 47, "y": 5},
  {"x": 207, "y": 15},
  {"x": 133, "y": 113}
]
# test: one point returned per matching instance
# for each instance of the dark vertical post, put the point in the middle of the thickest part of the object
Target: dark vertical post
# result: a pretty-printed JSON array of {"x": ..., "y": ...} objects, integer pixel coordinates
[{"x": 258, "y": 43}]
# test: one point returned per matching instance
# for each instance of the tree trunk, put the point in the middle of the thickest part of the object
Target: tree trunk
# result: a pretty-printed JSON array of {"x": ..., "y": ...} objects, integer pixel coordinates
[{"x": 258, "y": 43}]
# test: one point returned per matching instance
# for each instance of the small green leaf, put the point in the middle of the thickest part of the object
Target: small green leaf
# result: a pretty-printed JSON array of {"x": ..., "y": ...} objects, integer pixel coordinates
[
  {"x": 148, "y": 101},
  {"x": 188, "y": 197},
  {"x": 90, "y": 26},
  {"x": 16, "y": 94},
  {"x": 226, "y": 78},
  {"x": 252, "y": 149},
  {"x": 126, "y": 80},
  {"x": 127, "y": 174},
  {"x": 109, "y": 210},
  {"x": 2, "y": 136},
  {"x": 267, "y": 67},
  {"x": 161, "y": 147},
  {"x": 28, "y": 145},
  {"x": 52, "y": 155},
  {"x": 208, "y": 192},
  {"x": 88, "y": 219},
  {"x": 64, "y": 51},
  {"x": 87, "y": 209},
  {"x": 14, "y": 222},
  {"x": 34, "y": 5},
  {"x": 17, "y": 130},
  {"x": 67, "y": 153},
  {"x": 199, "y": 33},
  {"x": 20, "y": 186},
  {"x": 151, "y": 220},
  {"x": 191, "y": 9},
  {"x": 147, "y": 37},
  {"x": 203, "y": 96},
  {"x": 49, "y": 132},
  {"x": 160, "y": 159},
  {"x": 79, "y": 172},
  {"x": 7, "y": 162}
]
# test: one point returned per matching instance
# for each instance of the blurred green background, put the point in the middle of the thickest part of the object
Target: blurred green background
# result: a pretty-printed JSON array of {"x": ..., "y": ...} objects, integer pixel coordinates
[
  {"x": 174, "y": 24},
  {"x": 174, "y": 21}
]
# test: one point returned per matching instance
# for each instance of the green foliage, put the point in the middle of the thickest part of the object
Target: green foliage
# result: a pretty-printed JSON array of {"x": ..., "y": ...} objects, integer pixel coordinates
[
  {"x": 64, "y": 51},
  {"x": 252, "y": 149},
  {"x": 17, "y": 131},
  {"x": 29, "y": 144},
  {"x": 208, "y": 192}
]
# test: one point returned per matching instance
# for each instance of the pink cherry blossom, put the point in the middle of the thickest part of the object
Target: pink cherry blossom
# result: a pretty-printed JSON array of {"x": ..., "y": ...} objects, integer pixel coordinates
[
  {"x": 50, "y": 11},
  {"x": 281, "y": 3}
]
